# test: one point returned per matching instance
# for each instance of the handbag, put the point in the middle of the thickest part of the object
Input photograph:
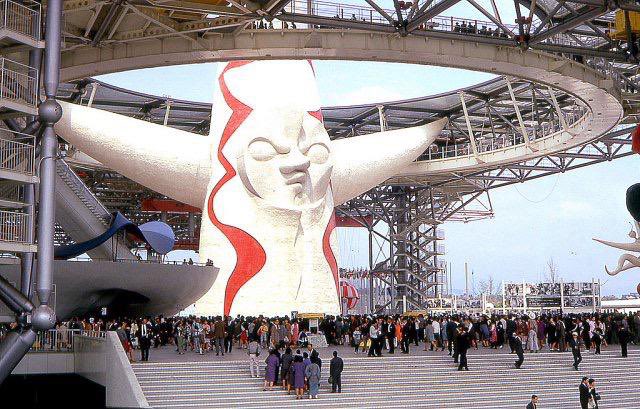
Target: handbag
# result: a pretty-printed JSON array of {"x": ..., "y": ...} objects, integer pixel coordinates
[{"x": 331, "y": 380}]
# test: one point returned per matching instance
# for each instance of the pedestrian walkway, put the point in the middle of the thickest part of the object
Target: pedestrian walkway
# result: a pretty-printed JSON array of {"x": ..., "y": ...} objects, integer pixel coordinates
[{"x": 424, "y": 380}]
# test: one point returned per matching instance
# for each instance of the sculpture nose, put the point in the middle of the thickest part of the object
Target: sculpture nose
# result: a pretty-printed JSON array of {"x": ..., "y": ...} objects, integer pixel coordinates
[{"x": 296, "y": 162}]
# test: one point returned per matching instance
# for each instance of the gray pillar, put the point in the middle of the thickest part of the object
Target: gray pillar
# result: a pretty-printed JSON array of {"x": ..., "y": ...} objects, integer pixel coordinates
[
  {"x": 371, "y": 303},
  {"x": 29, "y": 198},
  {"x": 49, "y": 113},
  {"x": 191, "y": 225}
]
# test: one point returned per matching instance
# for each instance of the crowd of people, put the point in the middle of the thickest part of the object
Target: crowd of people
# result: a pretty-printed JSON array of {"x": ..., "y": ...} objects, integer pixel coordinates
[{"x": 294, "y": 364}]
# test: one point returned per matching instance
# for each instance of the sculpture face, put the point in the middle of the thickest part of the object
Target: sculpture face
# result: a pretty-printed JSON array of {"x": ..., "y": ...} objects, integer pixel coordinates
[{"x": 288, "y": 163}]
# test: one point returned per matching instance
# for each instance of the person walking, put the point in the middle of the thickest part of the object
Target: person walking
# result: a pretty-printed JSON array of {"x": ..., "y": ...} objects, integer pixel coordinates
[
  {"x": 373, "y": 337},
  {"x": 406, "y": 336},
  {"x": 623, "y": 338},
  {"x": 285, "y": 366},
  {"x": 429, "y": 336},
  {"x": 312, "y": 373},
  {"x": 144, "y": 335},
  {"x": 218, "y": 335},
  {"x": 533, "y": 404},
  {"x": 575, "y": 350},
  {"x": 595, "y": 396},
  {"x": 181, "y": 340},
  {"x": 561, "y": 330},
  {"x": 532, "y": 339},
  {"x": 463, "y": 343},
  {"x": 391, "y": 335},
  {"x": 597, "y": 340},
  {"x": 298, "y": 370},
  {"x": 452, "y": 330},
  {"x": 517, "y": 347},
  {"x": 335, "y": 372},
  {"x": 271, "y": 369},
  {"x": 253, "y": 350},
  {"x": 585, "y": 394}
]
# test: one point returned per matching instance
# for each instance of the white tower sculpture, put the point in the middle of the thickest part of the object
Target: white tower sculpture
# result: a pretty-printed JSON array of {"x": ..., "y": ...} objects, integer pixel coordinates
[{"x": 267, "y": 179}]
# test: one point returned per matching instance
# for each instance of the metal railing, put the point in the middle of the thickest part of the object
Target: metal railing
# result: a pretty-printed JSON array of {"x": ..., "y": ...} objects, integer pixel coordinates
[
  {"x": 142, "y": 261},
  {"x": 14, "y": 227},
  {"x": 61, "y": 340},
  {"x": 510, "y": 139},
  {"x": 363, "y": 13},
  {"x": 10, "y": 191},
  {"x": 86, "y": 196},
  {"x": 18, "y": 155},
  {"x": 21, "y": 18},
  {"x": 18, "y": 83}
]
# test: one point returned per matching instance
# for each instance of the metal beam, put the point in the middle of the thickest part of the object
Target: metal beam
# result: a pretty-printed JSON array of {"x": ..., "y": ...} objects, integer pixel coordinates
[
  {"x": 569, "y": 24},
  {"x": 430, "y": 13}
]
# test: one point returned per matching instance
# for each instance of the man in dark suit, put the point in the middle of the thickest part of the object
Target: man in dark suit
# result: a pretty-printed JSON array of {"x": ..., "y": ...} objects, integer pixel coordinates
[
  {"x": 314, "y": 356},
  {"x": 517, "y": 346},
  {"x": 451, "y": 329},
  {"x": 335, "y": 372},
  {"x": 510, "y": 330},
  {"x": 623, "y": 338},
  {"x": 534, "y": 402},
  {"x": 575, "y": 350},
  {"x": 463, "y": 343},
  {"x": 585, "y": 395},
  {"x": 144, "y": 335},
  {"x": 391, "y": 334}
]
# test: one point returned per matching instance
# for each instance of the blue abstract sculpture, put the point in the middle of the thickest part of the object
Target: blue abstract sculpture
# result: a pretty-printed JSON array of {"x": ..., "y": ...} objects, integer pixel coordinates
[{"x": 158, "y": 235}]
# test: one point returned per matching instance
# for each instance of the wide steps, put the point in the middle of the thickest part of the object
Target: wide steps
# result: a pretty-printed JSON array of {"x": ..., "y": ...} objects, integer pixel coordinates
[{"x": 425, "y": 381}]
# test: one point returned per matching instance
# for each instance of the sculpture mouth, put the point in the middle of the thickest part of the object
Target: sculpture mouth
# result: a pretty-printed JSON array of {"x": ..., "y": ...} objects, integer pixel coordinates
[{"x": 296, "y": 178}]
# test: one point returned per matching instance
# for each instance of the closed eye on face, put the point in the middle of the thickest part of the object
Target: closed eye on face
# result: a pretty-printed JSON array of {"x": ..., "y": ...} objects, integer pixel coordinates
[
  {"x": 262, "y": 149},
  {"x": 318, "y": 153}
]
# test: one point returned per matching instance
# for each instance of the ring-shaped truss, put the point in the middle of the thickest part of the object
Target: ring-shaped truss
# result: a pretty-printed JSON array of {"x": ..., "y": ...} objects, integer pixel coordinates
[{"x": 599, "y": 107}]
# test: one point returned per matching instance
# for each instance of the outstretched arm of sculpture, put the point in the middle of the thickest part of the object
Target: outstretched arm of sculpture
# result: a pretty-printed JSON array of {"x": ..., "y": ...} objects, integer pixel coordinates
[
  {"x": 622, "y": 246},
  {"x": 631, "y": 262},
  {"x": 363, "y": 162},
  {"x": 170, "y": 161}
]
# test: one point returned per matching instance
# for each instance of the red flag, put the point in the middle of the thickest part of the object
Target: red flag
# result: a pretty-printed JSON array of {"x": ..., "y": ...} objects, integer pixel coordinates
[{"x": 635, "y": 139}]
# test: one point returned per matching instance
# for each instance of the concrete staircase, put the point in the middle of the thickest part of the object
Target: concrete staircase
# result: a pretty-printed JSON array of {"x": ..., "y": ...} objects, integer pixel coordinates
[{"x": 420, "y": 381}]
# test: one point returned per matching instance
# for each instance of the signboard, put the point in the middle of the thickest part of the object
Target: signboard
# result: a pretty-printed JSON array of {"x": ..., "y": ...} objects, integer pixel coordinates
[
  {"x": 543, "y": 302},
  {"x": 571, "y": 295}
]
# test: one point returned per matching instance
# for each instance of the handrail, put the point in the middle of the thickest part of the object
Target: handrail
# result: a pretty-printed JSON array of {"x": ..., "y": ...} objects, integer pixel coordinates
[
  {"x": 20, "y": 18},
  {"x": 18, "y": 82},
  {"x": 438, "y": 23},
  {"x": 73, "y": 181},
  {"x": 14, "y": 227},
  {"x": 496, "y": 144},
  {"x": 16, "y": 156},
  {"x": 62, "y": 340},
  {"x": 141, "y": 261}
]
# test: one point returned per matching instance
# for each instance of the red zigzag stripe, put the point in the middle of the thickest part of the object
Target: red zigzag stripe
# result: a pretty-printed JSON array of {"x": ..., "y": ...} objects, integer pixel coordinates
[{"x": 250, "y": 254}]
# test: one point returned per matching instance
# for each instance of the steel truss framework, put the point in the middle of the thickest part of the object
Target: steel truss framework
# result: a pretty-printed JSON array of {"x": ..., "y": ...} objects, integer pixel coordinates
[
  {"x": 578, "y": 28},
  {"x": 407, "y": 262}
]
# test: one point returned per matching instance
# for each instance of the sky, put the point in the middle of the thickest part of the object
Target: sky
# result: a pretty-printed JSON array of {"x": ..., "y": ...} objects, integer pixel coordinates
[{"x": 553, "y": 217}]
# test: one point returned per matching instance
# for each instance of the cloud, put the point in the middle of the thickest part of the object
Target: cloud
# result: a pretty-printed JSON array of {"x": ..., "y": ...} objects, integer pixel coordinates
[{"x": 577, "y": 209}]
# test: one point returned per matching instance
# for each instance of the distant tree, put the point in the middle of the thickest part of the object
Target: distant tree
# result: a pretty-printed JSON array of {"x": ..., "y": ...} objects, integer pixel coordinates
[
  {"x": 489, "y": 287},
  {"x": 551, "y": 273}
]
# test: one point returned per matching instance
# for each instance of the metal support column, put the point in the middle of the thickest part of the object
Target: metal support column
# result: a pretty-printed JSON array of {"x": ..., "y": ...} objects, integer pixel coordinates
[
  {"x": 29, "y": 198},
  {"x": 18, "y": 342},
  {"x": 49, "y": 113}
]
